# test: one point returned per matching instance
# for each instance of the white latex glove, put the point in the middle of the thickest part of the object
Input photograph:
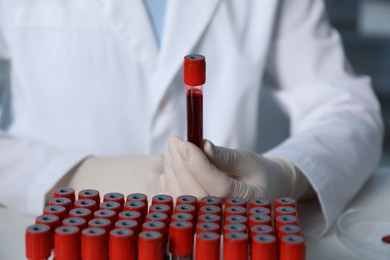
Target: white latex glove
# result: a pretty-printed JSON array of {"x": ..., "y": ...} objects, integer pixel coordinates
[
  {"x": 224, "y": 173},
  {"x": 126, "y": 175}
]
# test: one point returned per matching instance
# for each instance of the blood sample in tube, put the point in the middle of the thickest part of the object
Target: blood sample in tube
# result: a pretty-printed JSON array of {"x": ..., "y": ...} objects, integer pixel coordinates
[
  {"x": 194, "y": 78},
  {"x": 38, "y": 242},
  {"x": 90, "y": 194},
  {"x": 235, "y": 246},
  {"x": 67, "y": 243},
  {"x": 181, "y": 240},
  {"x": 263, "y": 247},
  {"x": 150, "y": 246},
  {"x": 207, "y": 246},
  {"x": 122, "y": 244},
  {"x": 94, "y": 244},
  {"x": 292, "y": 247},
  {"x": 65, "y": 192}
]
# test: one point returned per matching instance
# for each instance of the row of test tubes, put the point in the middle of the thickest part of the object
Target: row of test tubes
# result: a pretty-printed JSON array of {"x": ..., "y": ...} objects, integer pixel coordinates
[{"x": 208, "y": 229}]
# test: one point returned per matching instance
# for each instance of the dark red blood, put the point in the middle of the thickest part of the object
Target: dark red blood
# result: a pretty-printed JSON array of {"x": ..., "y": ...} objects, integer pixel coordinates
[
  {"x": 386, "y": 239},
  {"x": 195, "y": 117}
]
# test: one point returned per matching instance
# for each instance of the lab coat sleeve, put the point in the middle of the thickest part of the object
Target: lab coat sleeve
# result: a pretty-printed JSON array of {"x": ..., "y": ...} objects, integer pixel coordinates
[{"x": 336, "y": 127}]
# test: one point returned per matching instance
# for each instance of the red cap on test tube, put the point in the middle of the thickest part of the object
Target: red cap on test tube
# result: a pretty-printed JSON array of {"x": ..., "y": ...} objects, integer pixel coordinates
[
  {"x": 259, "y": 202},
  {"x": 94, "y": 244},
  {"x": 150, "y": 246},
  {"x": 235, "y": 210},
  {"x": 187, "y": 199},
  {"x": 112, "y": 205},
  {"x": 263, "y": 247},
  {"x": 292, "y": 247},
  {"x": 163, "y": 199},
  {"x": 259, "y": 211},
  {"x": 138, "y": 206},
  {"x": 86, "y": 204},
  {"x": 59, "y": 201},
  {"x": 186, "y": 208},
  {"x": 261, "y": 229},
  {"x": 260, "y": 220},
  {"x": 288, "y": 230},
  {"x": 208, "y": 227},
  {"x": 183, "y": 217},
  {"x": 90, "y": 194},
  {"x": 81, "y": 213},
  {"x": 285, "y": 201},
  {"x": 163, "y": 208},
  {"x": 64, "y": 192},
  {"x": 235, "y": 246},
  {"x": 130, "y": 214},
  {"x": 128, "y": 224},
  {"x": 114, "y": 196},
  {"x": 52, "y": 221},
  {"x": 100, "y": 223},
  {"x": 137, "y": 197},
  {"x": 39, "y": 242},
  {"x": 107, "y": 214},
  {"x": 122, "y": 244},
  {"x": 236, "y": 219},
  {"x": 211, "y": 200},
  {"x": 67, "y": 243},
  {"x": 235, "y": 201},
  {"x": 75, "y": 222},
  {"x": 285, "y": 210},
  {"x": 158, "y": 216},
  {"x": 210, "y": 218},
  {"x": 194, "y": 70},
  {"x": 207, "y": 246},
  {"x": 181, "y": 238},
  {"x": 210, "y": 209},
  {"x": 157, "y": 226},
  {"x": 285, "y": 220},
  {"x": 234, "y": 228},
  {"x": 59, "y": 211}
]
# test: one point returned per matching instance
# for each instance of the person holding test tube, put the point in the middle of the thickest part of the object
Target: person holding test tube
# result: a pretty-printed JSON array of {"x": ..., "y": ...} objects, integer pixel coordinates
[{"x": 96, "y": 93}]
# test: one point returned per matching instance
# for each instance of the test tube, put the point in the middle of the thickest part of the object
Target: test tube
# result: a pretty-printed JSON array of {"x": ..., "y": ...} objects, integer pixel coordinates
[
  {"x": 150, "y": 246},
  {"x": 67, "y": 243},
  {"x": 235, "y": 210},
  {"x": 52, "y": 221},
  {"x": 285, "y": 201},
  {"x": 181, "y": 240},
  {"x": 86, "y": 204},
  {"x": 210, "y": 218},
  {"x": 81, "y": 213},
  {"x": 236, "y": 219},
  {"x": 137, "y": 197},
  {"x": 122, "y": 244},
  {"x": 259, "y": 211},
  {"x": 114, "y": 196},
  {"x": 259, "y": 202},
  {"x": 59, "y": 211},
  {"x": 90, "y": 194},
  {"x": 128, "y": 224},
  {"x": 38, "y": 242},
  {"x": 64, "y": 192},
  {"x": 207, "y": 246},
  {"x": 60, "y": 201},
  {"x": 75, "y": 222},
  {"x": 263, "y": 247},
  {"x": 235, "y": 201},
  {"x": 194, "y": 78},
  {"x": 210, "y": 200},
  {"x": 137, "y": 205},
  {"x": 112, "y": 205},
  {"x": 292, "y": 247},
  {"x": 235, "y": 246},
  {"x": 94, "y": 244},
  {"x": 187, "y": 199},
  {"x": 107, "y": 214}
]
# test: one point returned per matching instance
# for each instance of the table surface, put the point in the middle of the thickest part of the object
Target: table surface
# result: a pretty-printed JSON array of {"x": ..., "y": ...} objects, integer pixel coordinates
[{"x": 12, "y": 225}]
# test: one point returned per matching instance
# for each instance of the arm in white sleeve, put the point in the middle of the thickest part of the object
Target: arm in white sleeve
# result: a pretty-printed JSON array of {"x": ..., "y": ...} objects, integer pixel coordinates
[{"x": 336, "y": 128}]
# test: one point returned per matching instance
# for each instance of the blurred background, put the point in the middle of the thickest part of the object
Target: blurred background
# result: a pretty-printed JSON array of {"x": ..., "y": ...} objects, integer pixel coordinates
[{"x": 365, "y": 29}]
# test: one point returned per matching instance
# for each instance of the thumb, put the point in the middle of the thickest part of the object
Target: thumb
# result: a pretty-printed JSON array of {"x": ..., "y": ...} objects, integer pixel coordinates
[{"x": 224, "y": 159}]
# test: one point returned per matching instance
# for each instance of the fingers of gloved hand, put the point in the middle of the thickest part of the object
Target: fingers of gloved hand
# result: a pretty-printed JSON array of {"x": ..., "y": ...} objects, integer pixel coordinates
[
  {"x": 171, "y": 183},
  {"x": 191, "y": 160},
  {"x": 184, "y": 178},
  {"x": 247, "y": 191},
  {"x": 224, "y": 159}
]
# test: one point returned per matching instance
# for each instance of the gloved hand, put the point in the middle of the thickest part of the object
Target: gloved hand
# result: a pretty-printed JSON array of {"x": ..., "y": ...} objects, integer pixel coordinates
[
  {"x": 118, "y": 174},
  {"x": 224, "y": 173}
]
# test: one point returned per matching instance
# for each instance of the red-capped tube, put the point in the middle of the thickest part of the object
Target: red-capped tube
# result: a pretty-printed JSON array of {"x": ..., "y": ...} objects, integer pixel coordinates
[
  {"x": 112, "y": 205},
  {"x": 181, "y": 239},
  {"x": 285, "y": 210},
  {"x": 235, "y": 210},
  {"x": 288, "y": 230},
  {"x": 163, "y": 208},
  {"x": 186, "y": 208},
  {"x": 128, "y": 224},
  {"x": 187, "y": 199},
  {"x": 59, "y": 201},
  {"x": 208, "y": 227},
  {"x": 207, "y": 246},
  {"x": 292, "y": 247},
  {"x": 158, "y": 216},
  {"x": 234, "y": 228},
  {"x": 150, "y": 246},
  {"x": 81, "y": 213},
  {"x": 138, "y": 206},
  {"x": 259, "y": 202},
  {"x": 114, "y": 196},
  {"x": 235, "y": 246},
  {"x": 94, "y": 244},
  {"x": 52, "y": 221},
  {"x": 285, "y": 201},
  {"x": 285, "y": 220},
  {"x": 122, "y": 244},
  {"x": 183, "y": 217},
  {"x": 236, "y": 219},
  {"x": 59, "y": 211},
  {"x": 259, "y": 211},
  {"x": 261, "y": 229},
  {"x": 86, "y": 204},
  {"x": 100, "y": 223},
  {"x": 263, "y": 247},
  {"x": 38, "y": 242},
  {"x": 194, "y": 70},
  {"x": 210, "y": 200},
  {"x": 210, "y": 209},
  {"x": 130, "y": 214},
  {"x": 210, "y": 218},
  {"x": 64, "y": 192},
  {"x": 163, "y": 199},
  {"x": 80, "y": 223},
  {"x": 137, "y": 197},
  {"x": 235, "y": 201},
  {"x": 67, "y": 243},
  {"x": 157, "y": 226},
  {"x": 107, "y": 214},
  {"x": 90, "y": 194},
  {"x": 260, "y": 220}
]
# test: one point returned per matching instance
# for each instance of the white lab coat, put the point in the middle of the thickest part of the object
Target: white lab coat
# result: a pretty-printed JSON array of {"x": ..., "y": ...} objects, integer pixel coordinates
[{"x": 88, "y": 78}]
